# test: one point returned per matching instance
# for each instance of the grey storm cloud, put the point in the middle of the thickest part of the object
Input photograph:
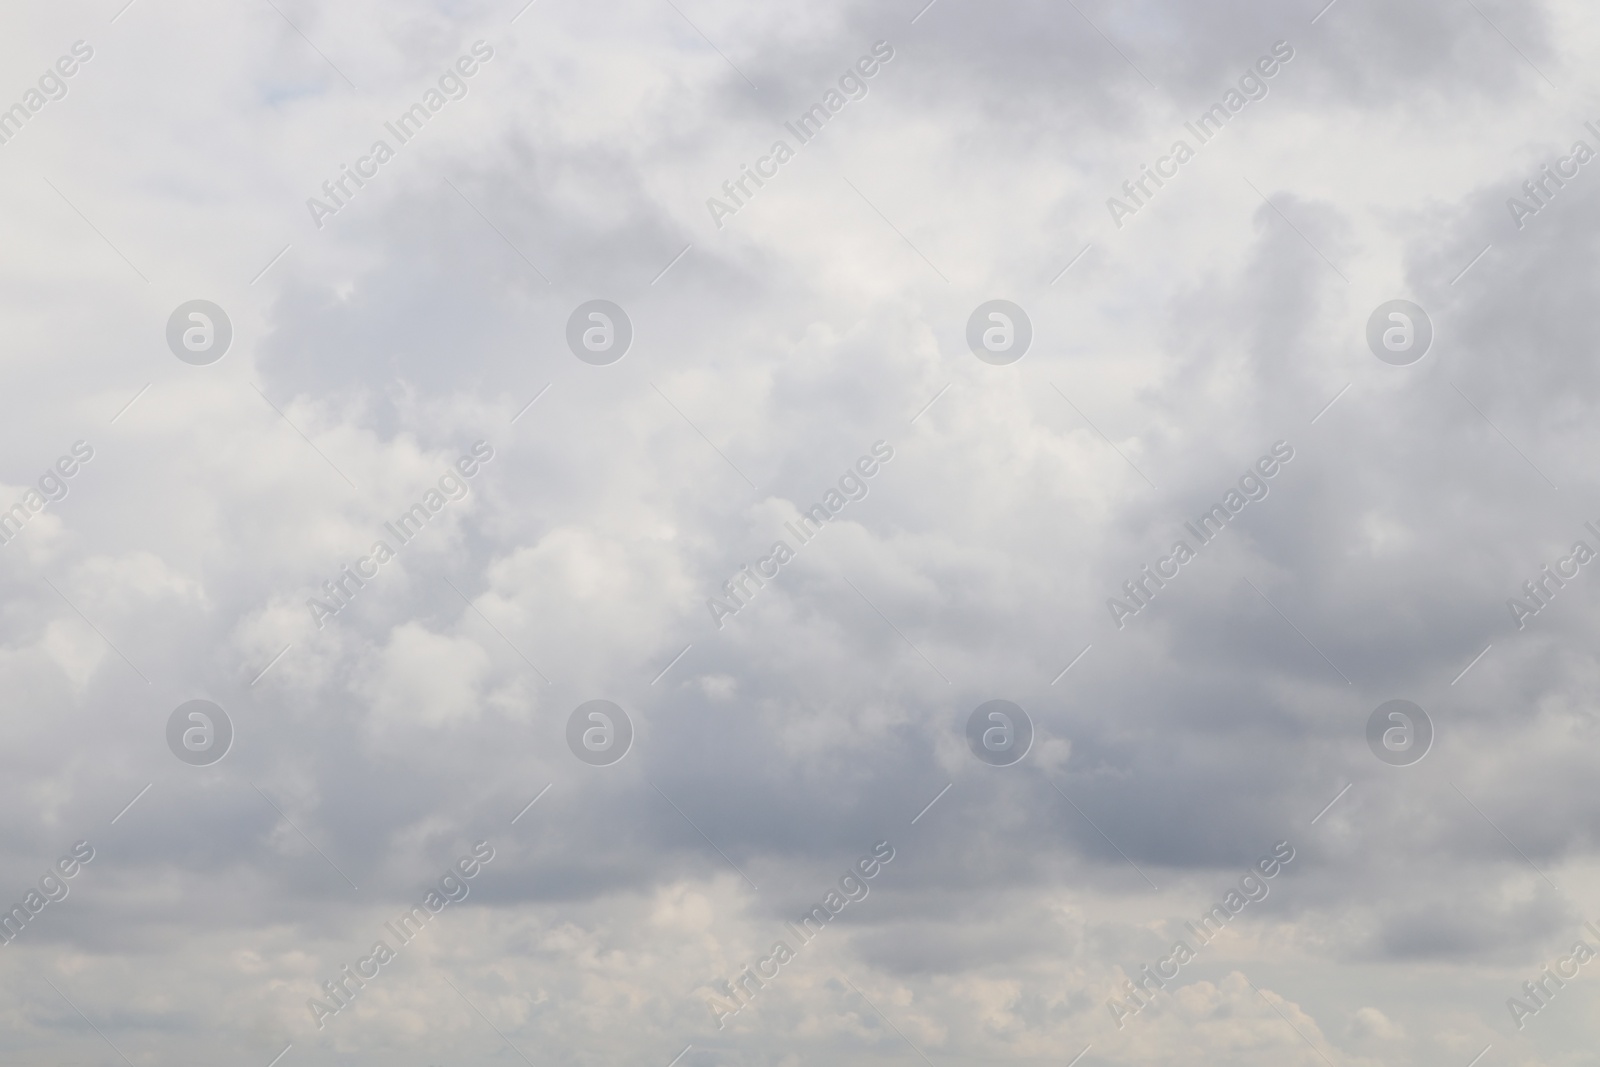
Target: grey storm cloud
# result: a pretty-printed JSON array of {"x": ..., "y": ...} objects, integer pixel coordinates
[{"x": 1187, "y": 526}]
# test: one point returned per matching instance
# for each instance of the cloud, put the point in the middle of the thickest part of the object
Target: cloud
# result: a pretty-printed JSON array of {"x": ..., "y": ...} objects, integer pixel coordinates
[{"x": 829, "y": 713}]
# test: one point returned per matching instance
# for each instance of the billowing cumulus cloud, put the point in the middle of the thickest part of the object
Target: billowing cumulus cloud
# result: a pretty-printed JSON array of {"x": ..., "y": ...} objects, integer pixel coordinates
[{"x": 575, "y": 460}]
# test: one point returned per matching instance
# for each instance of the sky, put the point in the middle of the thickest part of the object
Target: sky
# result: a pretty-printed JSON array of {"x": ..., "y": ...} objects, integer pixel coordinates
[{"x": 1117, "y": 463}]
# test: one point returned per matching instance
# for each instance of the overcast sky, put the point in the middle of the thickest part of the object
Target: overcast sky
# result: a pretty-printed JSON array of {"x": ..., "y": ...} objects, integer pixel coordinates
[{"x": 232, "y": 371}]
